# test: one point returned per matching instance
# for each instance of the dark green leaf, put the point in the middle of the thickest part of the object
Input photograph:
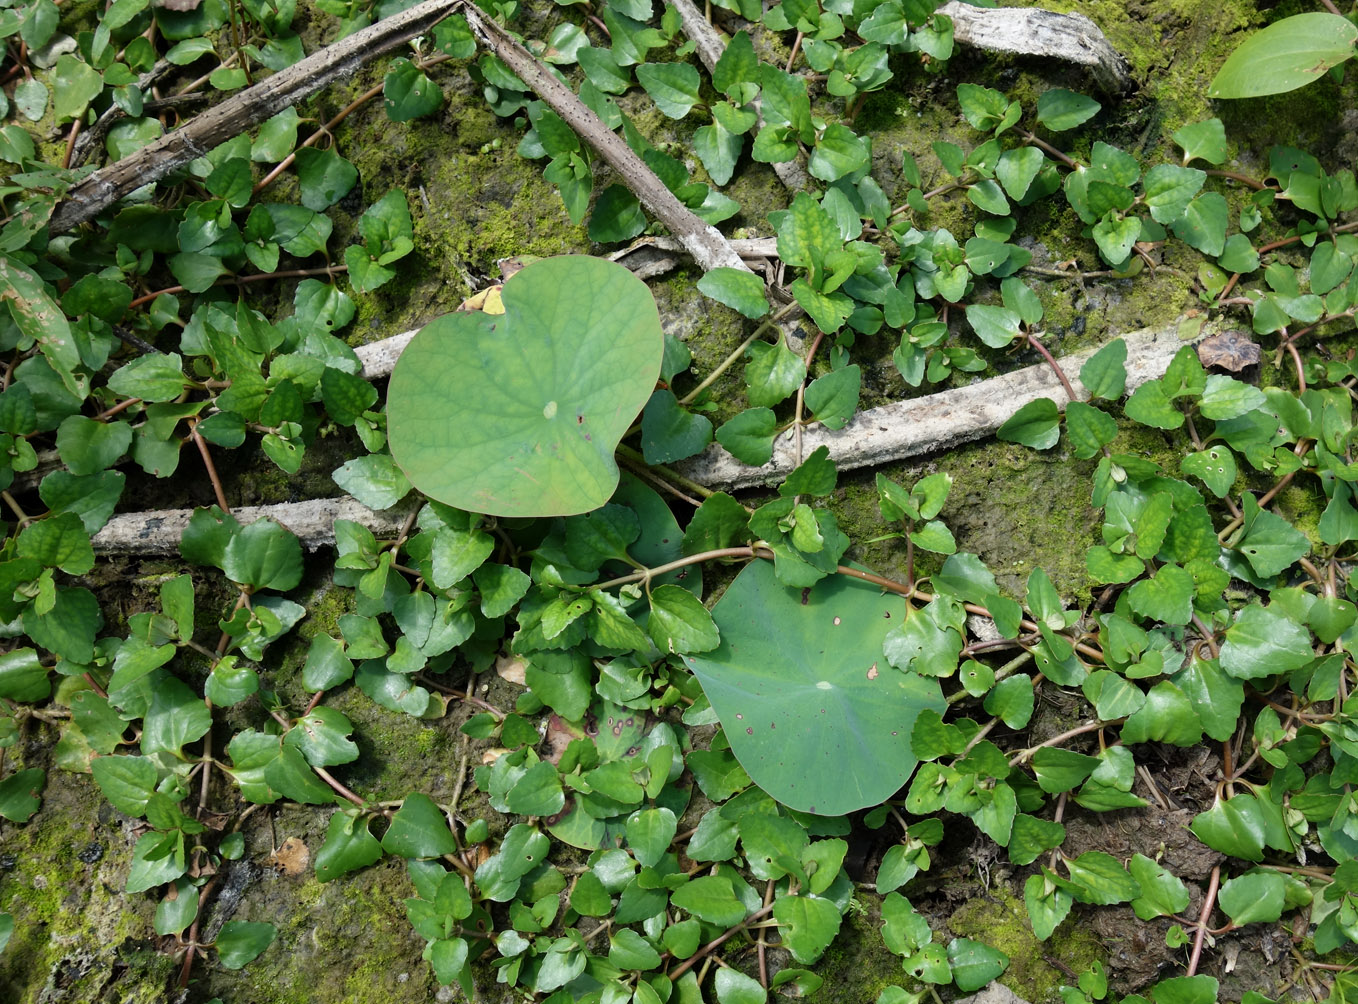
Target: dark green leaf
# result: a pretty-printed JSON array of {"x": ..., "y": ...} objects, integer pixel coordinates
[
  {"x": 239, "y": 942},
  {"x": 1037, "y": 424}
]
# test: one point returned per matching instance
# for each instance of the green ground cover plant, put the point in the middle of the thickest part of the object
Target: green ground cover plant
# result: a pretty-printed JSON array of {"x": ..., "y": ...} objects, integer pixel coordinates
[{"x": 719, "y": 699}]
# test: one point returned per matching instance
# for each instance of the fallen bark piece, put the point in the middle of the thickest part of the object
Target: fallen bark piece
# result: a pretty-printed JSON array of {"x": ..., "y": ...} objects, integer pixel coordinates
[
  {"x": 313, "y": 521},
  {"x": 940, "y": 421},
  {"x": 1024, "y": 31},
  {"x": 993, "y": 993}
]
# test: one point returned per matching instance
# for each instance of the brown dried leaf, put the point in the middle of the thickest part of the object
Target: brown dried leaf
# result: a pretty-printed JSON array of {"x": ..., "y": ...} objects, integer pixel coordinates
[
  {"x": 510, "y": 668},
  {"x": 1231, "y": 351},
  {"x": 292, "y": 857}
]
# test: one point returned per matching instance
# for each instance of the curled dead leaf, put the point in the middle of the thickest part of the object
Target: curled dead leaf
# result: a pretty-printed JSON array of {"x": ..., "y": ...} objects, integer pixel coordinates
[
  {"x": 292, "y": 857},
  {"x": 510, "y": 668},
  {"x": 487, "y": 301},
  {"x": 491, "y": 755},
  {"x": 1230, "y": 351}
]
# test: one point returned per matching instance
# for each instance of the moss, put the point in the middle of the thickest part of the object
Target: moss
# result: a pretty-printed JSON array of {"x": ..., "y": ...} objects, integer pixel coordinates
[
  {"x": 857, "y": 966},
  {"x": 1016, "y": 508},
  {"x": 1000, "y": 920},
  {"x": 76, "y": 937},
  {"x": 337, "y": 942}
]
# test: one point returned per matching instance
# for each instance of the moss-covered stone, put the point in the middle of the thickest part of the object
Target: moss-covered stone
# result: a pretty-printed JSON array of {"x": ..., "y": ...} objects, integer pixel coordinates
[{"x": 1036, "y": 968}]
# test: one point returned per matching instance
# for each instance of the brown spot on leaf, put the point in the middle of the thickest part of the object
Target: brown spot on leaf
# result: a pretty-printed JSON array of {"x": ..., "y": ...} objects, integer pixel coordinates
[{"x": 872, "y": 671}]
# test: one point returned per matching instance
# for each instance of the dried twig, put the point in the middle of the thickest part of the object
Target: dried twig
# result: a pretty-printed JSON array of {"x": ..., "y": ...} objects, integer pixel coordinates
[
  {"x": 702, "y": 240},
  {"x": 929, "y": 424},
  {"x": 709, "y": 46}
]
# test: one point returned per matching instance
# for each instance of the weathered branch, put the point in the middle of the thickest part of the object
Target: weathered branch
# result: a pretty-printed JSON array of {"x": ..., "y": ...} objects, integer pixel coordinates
[
  {"x": 1024, "y": 31},
  {"x": 313, "y": 521},
  {"x": 703, "y": 241},
  {"x": 881, "y": 435},
  {"x": 236, "y": 114},
  {"x": 929, "y": 424}
]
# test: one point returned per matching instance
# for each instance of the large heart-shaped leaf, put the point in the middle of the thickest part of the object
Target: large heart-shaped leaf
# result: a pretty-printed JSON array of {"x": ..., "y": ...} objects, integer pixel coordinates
[
  {"x": 518, "y": 414},
  {"x": 812, "y": 709}
]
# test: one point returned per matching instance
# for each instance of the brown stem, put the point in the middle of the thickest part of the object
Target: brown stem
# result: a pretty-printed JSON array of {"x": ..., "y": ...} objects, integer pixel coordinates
[
  {"x": 201, "y": 443},
  {"x": 340, "y": 789},
  {"x": 108, "y": 413},
  {"x": 463, "y": 695},
  {"x": 207, "y": 760},
  {"x": 1253, "y": 183},
  {"x": 717, "y": 942},
  {"x": 1056, "y": 367},
  {"x": 1057, "y": 740},
  {"x": 1296, "y": 361},
  {"x": 1201, "y": 936},
  {"x": 1048, "y": 149},
  {"x": 226, "y": 280}
]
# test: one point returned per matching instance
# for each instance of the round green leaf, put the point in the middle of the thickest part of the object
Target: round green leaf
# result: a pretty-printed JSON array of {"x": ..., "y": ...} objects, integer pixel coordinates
[
  {"x": 737, "y": 288},
  {"x": 1285, "y": 55},
  {"x": 518, "y": 415},
  {"x": 419, "y": 830},
  {"x": 407, "y": 93},
  {"x": 812, "y": 709},
  {"x": 1255, "y": 896},
  {"x": 734, "y": 987}
]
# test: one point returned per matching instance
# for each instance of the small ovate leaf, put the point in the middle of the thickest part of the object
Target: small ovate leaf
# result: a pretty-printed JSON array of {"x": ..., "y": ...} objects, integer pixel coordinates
[
  {"x": 1285, "y": 55},
  {"x": 1264, "y": 641},
  {"x": 1059, "y": 109},
  {"x": 974, "y": 964},
  {"x": 240, "y": 942},
  {"x": 738, "y": 289},
  {"x": 419, "y": 830},
  {"x": 1037, "y": 425},
  {"x": 679, "y": 622}
]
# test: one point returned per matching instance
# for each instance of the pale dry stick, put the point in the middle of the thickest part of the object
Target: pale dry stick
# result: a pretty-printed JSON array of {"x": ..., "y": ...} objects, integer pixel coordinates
[
  {"x": 878, "y": 435},
  {"x": 933, "y": 423},
  {"x": 703, "y": 241}
]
